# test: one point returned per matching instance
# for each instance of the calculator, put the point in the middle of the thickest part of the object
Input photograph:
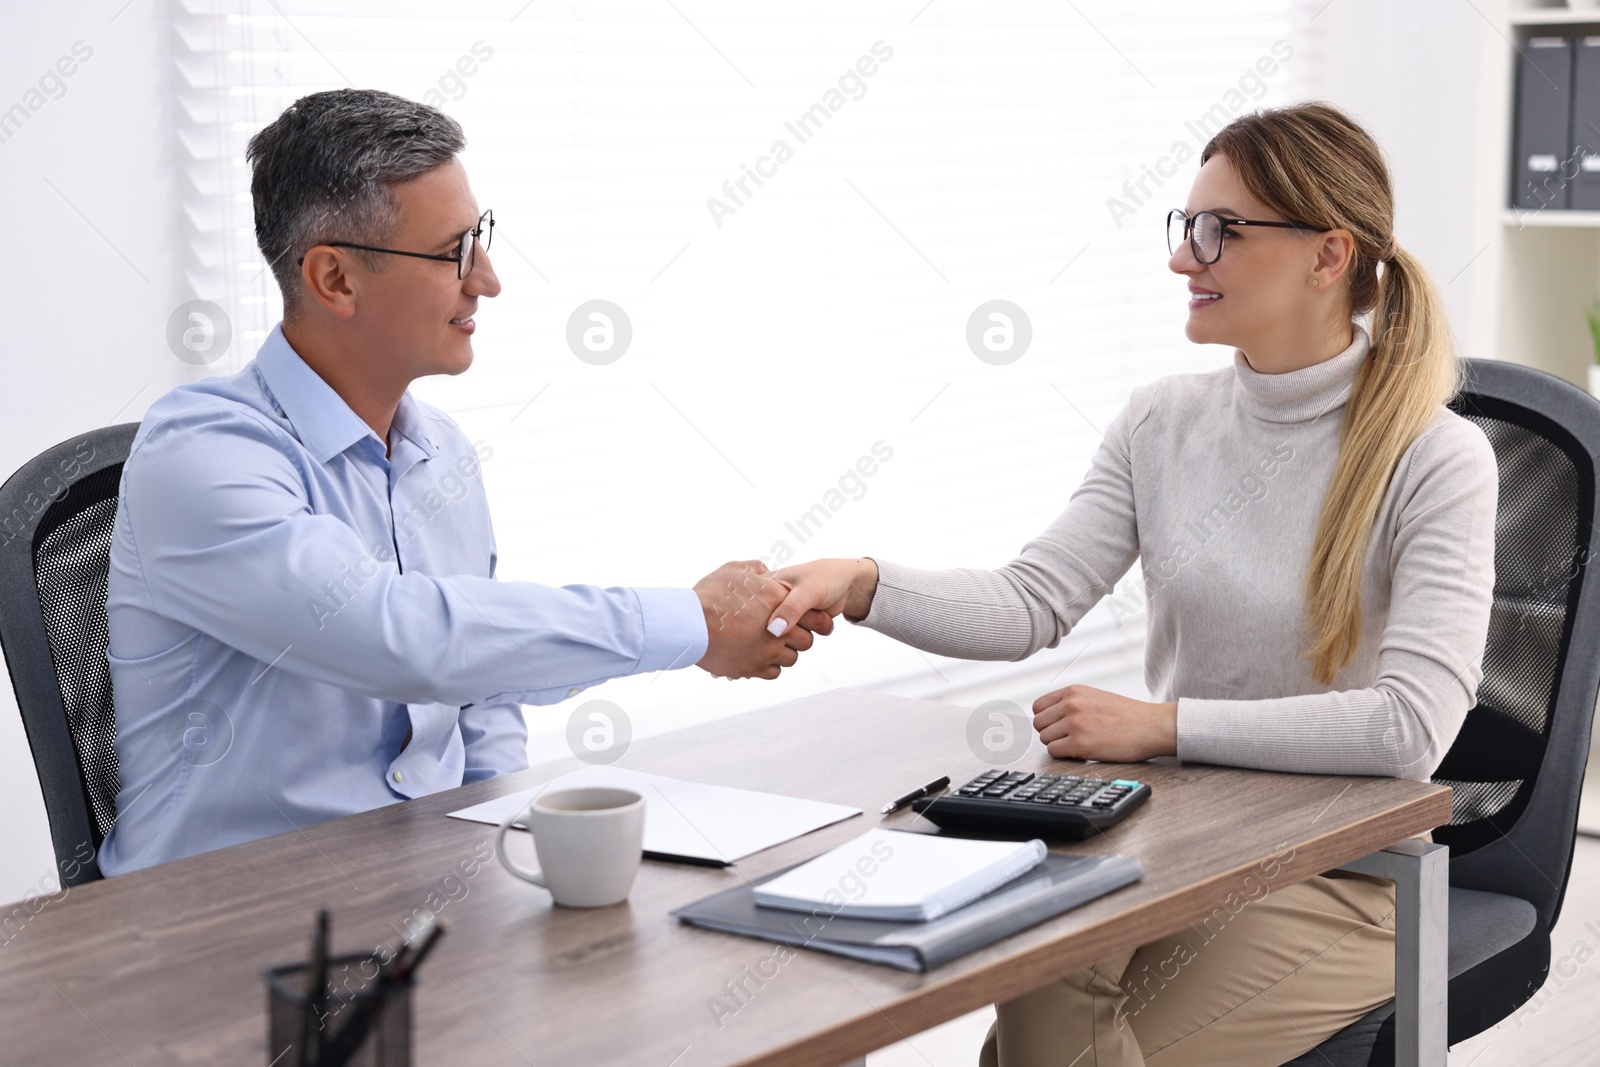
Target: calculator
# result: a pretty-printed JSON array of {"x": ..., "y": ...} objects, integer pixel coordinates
[{"x": 1038, "y": 805}]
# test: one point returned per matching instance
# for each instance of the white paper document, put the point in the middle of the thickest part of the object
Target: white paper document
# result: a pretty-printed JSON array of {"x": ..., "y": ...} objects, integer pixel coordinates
[
  {"x": 908, "y": 877},
  {"x": 688, "y": 820}
]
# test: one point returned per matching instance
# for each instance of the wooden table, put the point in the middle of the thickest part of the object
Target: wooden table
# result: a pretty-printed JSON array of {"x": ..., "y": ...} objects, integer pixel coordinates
[{"x": 163, "y": 966}]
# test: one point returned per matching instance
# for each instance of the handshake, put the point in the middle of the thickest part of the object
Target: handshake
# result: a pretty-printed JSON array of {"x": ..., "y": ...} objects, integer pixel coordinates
[{"x": 759, "y": 621}]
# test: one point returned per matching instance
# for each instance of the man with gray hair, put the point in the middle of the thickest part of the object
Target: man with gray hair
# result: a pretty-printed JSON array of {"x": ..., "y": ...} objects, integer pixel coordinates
[{"x": 303, "y": 615}]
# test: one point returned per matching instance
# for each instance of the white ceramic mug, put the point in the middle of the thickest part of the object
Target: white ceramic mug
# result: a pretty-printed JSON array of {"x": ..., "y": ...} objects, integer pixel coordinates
[{"x": 589, "y": 842}]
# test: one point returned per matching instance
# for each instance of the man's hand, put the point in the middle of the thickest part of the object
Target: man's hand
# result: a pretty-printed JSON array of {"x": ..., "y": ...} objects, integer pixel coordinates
[
  {"x": 1080, "y": 722},
  {"x": 738, "y": 599},
  {"x": 830, "y": 586}
]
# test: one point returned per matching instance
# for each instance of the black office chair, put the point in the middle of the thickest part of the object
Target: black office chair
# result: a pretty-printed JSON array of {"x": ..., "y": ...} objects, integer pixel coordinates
[
  {"x": 1517, "y": 766},
  {"x": 56, "y": 516}
]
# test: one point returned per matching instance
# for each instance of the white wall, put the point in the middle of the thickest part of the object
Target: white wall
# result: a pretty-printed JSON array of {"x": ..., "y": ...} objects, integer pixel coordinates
[
  {"x": 89, "y": 278},
  {"x": 1427, "y": 80}
]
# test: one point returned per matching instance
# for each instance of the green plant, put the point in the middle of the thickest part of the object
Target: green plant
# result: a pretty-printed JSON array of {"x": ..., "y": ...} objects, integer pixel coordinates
[{"x": 1593, "y": 315}]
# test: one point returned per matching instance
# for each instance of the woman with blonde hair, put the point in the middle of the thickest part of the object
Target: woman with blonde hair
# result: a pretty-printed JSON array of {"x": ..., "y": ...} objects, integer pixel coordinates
[{"x": 1315, "y": 530}]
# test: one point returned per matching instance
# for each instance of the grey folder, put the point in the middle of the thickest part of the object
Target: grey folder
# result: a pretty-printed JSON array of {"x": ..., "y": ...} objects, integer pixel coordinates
[
  {"x": 1058, "y": 884},
  {"x": 1586, "y": 124},
  {"x": 1543, "y": 170}
]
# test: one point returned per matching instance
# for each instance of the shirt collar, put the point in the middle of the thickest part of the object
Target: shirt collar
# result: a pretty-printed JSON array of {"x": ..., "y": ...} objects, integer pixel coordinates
[
  {"x": 413, "y": 424},
  {"x": 1304, "y": 394},
  {"x": 325, "y": 424}
]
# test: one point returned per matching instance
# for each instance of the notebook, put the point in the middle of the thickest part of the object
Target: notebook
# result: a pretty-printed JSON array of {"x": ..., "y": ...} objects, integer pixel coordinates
[
  {"x": 909, "y": 877},
  {"x": 1059, "y": 884}
]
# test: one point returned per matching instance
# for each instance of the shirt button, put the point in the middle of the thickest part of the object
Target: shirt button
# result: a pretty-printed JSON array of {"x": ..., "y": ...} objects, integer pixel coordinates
[
  {"x": 397, "y": 776},
  {"x": 572, "y": 692}
]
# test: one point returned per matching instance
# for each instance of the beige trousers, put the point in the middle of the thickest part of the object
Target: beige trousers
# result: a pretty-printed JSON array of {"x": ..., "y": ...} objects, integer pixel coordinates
[{"x": 1252, "y": 988}]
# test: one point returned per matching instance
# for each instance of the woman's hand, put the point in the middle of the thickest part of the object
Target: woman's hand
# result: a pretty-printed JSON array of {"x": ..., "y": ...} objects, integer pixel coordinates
[
  {"x": 1080, "y": 722},
  {"x": 734, "y": 598},
  {"x": 833, "y": 586}
]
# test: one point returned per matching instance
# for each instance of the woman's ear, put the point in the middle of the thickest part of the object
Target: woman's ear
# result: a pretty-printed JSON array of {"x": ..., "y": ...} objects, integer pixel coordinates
[{"x": 1335, "y": 249}]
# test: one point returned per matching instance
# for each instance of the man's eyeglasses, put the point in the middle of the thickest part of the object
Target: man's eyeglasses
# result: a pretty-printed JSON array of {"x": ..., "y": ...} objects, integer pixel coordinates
[
  {"x": 465, "y": 257},
  {"x": 1205, "y": 231}
]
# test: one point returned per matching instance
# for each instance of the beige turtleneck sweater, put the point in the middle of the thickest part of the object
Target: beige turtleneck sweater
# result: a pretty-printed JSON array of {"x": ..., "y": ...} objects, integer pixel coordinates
[{"x": 1214, "y": 482}]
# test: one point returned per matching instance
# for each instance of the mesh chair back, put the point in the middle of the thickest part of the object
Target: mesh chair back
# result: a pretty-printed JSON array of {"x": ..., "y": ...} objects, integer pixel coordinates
[
  {"x": 71, "y": 559},
  {"x": 56, "y": 516},
  {"x": 1517, "y": 765}
]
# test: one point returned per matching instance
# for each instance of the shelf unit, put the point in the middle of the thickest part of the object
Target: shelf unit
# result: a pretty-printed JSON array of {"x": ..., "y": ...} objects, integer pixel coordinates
[
  {"x": 1553, "y": 15},
  {"x": 1548, "y": 260},
  {"x": 1546, "y": 263}
]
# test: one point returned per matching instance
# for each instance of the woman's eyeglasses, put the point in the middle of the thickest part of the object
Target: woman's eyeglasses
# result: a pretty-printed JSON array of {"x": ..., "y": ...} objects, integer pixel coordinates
[
  {"x": 1206, "y": 230},
  {"x": 465, "y": 256}
]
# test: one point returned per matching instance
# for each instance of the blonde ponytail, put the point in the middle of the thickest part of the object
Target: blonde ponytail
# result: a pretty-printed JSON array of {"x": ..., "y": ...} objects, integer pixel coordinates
[
  {"x": 1313, "y": 164},
  {"x": 1409, "y": 373}
]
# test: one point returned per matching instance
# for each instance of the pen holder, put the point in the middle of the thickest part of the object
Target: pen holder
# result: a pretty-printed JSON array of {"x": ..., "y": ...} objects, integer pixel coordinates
[{"x": 351, "y": 992}]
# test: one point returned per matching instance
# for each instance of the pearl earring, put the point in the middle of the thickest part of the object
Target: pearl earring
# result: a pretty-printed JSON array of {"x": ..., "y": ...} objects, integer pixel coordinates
[{"x": 1315, "y": 282}]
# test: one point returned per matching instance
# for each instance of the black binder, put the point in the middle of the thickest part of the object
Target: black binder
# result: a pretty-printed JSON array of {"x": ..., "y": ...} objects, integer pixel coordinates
[
  {"x": 1586, "y": 124},
  {"x": 1544, "y": 170},
  {"x": 1058, "y": 884}
]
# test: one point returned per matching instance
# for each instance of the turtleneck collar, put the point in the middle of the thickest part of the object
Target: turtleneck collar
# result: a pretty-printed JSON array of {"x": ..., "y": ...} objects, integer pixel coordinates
[{"x": 1305, "y": 394}]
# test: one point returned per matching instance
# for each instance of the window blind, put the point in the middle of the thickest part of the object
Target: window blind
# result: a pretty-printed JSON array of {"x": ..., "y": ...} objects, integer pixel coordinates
[{"x": 799, "y": 210}]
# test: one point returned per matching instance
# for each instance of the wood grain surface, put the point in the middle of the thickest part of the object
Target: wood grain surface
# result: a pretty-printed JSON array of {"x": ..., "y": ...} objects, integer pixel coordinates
[{"x": 163, "y": 966}]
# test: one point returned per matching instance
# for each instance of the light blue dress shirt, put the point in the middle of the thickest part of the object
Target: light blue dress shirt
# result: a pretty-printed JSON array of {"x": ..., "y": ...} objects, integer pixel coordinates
[{"x": 285, "y": 601}]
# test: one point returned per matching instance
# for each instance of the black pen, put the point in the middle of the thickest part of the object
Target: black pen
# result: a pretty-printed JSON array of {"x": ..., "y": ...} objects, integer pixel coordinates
[
  {"x": 409, "y": 964},
  {"x": 316, "y": 992},
  {"x": 942, "y": 782},
  {"x": 346, "y": 1043}
]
